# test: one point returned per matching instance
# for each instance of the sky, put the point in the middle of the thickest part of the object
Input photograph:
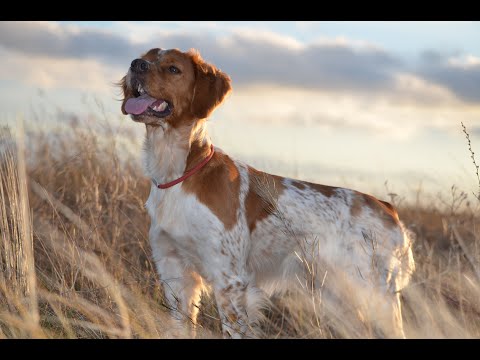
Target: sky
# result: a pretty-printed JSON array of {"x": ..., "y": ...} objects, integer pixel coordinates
[{"x": 353, "y": 104}]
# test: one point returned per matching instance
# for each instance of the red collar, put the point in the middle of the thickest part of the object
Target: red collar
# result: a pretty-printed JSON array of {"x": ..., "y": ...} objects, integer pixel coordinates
[{"x": 188, "y": 173}]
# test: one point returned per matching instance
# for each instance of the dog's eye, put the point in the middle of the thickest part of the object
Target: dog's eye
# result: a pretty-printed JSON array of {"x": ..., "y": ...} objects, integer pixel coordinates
[{"x": 174, "y": 70}]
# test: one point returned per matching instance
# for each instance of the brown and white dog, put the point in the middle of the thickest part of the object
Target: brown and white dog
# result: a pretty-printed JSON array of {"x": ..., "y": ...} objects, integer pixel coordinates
[{"x": 237, "y": 229}]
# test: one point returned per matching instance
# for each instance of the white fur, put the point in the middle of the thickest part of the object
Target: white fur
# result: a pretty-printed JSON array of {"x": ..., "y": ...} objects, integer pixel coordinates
[{"x": 187, "y": 241}]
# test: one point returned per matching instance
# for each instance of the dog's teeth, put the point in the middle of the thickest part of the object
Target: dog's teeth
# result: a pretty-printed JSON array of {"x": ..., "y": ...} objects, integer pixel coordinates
[{"x": 160, "y": 107}]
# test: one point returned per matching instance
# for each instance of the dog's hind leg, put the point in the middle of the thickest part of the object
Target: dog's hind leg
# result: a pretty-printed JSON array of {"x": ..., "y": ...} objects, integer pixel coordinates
[
  {"x": 387, "y": 316},
  {"x": 384, "y": 307}
]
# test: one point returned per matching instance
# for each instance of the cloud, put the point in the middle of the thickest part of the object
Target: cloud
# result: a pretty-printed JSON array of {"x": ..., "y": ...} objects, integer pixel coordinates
[
  {"x": 247, "y": 56},
  {"x": 458, "y": 72},
  {"x": 254, "y": 57},
  {"x": 48, "y": 73},
  {"x": 56, "y": 41},
  {"x": 381, "y": 116}
]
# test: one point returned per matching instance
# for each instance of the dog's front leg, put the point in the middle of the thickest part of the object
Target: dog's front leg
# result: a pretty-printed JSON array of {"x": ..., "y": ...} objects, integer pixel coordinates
[
  {"x": 182, "y": 287},
  {"x": 238, "y": 299},
  {"x": 231, "y": 303}
]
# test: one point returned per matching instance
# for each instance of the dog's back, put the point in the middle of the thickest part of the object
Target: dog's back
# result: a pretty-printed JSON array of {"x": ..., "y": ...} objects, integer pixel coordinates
[{"x": 295, "y": 224}]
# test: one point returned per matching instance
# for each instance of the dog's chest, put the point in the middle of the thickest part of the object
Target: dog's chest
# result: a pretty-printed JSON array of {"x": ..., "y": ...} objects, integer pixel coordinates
[{"x": 189, "y": 224}]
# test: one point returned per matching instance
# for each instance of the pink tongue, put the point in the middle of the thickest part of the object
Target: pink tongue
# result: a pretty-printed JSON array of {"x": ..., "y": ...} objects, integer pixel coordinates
[{"x": 139, "y": 105}]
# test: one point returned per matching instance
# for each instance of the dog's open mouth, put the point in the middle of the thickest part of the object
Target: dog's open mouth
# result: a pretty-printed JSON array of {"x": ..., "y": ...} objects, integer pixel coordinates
[{"x": 144, "y": 104}]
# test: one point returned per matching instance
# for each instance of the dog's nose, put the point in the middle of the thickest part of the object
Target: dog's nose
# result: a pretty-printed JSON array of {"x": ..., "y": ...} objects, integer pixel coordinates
[{"x": 139, "y": 65}]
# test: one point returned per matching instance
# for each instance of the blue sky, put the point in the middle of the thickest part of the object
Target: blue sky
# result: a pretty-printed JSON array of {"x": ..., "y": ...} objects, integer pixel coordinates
[{"x": 341, "y": 103}]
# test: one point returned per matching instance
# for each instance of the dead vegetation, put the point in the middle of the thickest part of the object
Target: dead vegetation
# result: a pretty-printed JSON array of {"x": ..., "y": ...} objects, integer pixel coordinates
[{"x": 75, "y": 260}]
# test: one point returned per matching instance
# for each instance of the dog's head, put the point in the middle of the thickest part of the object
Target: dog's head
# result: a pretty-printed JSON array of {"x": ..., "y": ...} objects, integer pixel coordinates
[{"x": 171, "y": 86}]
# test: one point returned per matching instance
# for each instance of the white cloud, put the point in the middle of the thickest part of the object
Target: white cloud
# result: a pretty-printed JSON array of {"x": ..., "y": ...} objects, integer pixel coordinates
[
  {"x": 414, "y": 90},
  {"x": 144, "y": 32},
  {"x": 383, "y": 115},
  {"x": 262, "y": 37},
  {"x": 464, "y": 62},
  {"x": 48, "y": 73}
]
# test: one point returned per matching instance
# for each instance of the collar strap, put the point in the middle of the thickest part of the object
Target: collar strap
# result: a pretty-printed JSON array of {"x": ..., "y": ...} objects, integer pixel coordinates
[{"x": 188, "y": 173}]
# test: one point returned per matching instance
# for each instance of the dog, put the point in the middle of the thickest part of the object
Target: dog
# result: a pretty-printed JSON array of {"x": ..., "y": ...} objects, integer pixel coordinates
[{"x": 219, "y": 223}]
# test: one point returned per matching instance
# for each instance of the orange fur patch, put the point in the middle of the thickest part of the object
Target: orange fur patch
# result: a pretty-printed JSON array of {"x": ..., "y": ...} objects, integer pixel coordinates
[
  {"x": 381, "y": 209},
  {"x": 326, "y": 190},
  {"x": 217, "y": 185},
  {"x": 298, "y": 184},
  {"x": 211, "y": 86},
  {"x": 264, "y": 190},
  {"x": 385, "y": 211}
]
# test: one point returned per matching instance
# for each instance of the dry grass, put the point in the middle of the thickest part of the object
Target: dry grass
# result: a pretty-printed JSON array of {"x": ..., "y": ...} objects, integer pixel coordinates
[{"x": 75, "y": 260}]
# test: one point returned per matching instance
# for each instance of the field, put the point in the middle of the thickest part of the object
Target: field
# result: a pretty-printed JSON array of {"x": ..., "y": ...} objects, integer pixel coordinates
[{"x": 75, "y": 260}]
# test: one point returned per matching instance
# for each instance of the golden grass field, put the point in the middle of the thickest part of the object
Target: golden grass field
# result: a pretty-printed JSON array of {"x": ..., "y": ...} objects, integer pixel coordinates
[{"x": 75, "y": 260}]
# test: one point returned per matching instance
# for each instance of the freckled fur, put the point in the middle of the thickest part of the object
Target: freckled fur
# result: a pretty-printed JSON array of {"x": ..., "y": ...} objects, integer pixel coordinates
[{"x": 241, "y": 231}]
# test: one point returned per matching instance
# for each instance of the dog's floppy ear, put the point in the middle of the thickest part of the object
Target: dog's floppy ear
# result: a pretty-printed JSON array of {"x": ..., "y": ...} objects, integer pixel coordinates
[{"x": 211, "y": 87}]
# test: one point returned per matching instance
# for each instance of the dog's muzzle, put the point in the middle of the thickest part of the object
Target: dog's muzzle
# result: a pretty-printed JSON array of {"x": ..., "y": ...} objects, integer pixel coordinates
[{"x": 139, "y": 66}]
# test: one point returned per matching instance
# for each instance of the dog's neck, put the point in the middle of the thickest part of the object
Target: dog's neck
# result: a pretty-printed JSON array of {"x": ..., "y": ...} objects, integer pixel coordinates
[{"x": 171, "y": 151}]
